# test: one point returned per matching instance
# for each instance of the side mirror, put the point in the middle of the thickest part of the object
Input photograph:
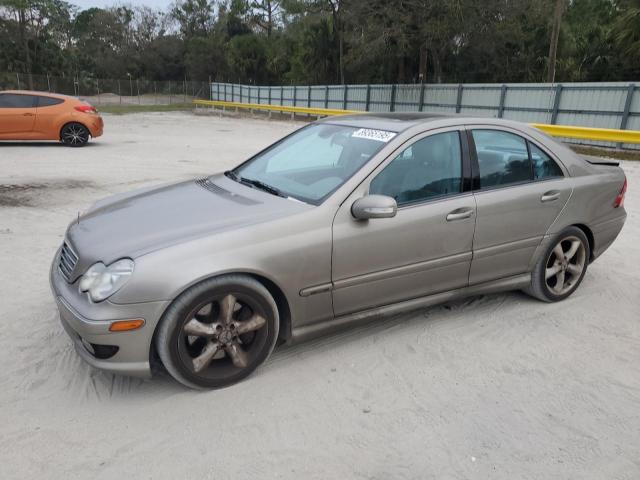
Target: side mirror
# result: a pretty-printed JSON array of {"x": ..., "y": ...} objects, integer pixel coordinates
[{"x": 374, "y": 206}]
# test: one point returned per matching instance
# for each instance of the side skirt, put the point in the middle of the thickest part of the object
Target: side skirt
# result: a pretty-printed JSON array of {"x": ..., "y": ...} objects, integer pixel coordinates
[{"x": 353, "y": 319}]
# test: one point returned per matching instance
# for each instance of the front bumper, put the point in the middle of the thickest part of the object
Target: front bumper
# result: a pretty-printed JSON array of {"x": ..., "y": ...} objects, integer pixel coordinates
[{"x": 88, "y": 324}]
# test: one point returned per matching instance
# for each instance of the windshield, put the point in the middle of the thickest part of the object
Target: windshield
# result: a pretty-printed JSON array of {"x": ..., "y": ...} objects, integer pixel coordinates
[{"x": 312, "y": 162}]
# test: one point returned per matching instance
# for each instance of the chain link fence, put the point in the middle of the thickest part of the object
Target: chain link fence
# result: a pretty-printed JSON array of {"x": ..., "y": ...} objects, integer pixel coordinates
[{"x": 99, "y": 91}]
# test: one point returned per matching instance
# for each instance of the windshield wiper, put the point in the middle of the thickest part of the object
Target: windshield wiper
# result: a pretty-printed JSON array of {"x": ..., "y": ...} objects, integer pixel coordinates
[
  {"x": 262, "y": 186},
  {"x": 232, "y": 175},
  {"x": 254, "y": 183}
]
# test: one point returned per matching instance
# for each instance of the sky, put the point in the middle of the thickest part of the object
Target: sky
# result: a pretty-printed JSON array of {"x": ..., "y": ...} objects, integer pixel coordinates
[{"x": 162, "y": 4}]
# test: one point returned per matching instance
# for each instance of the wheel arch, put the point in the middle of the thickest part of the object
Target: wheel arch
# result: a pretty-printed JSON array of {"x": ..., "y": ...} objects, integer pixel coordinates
[
  {"x": 589, "y": 234},
  {"x": 282, "y": 303},
  {"x": 284, "y": 311}
]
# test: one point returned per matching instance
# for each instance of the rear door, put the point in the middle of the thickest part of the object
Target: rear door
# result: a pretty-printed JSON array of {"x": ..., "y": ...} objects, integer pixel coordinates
[
  {"x": 519, "y": 191},
  {"x": 17, "y": 115}
]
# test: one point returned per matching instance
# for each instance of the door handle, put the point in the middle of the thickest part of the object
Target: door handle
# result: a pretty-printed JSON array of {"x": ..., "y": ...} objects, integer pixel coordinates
[
  {"x": 550, "y": 196},
  {"x": 459, "y": 214},
  {"x": 28, "y": 114}
]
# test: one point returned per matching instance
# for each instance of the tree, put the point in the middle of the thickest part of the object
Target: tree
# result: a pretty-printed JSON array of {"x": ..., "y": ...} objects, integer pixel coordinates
[
  {"x": 247, "y": 59},
  {"x": 327, "y": 41},
  {"x": 264, "y": 14},
  {"x": 195, "y": 17},
  {"x": 312, "y": 57},
  {"x": 21, "y": 9},
  {"x": 336, "y": 11},
  {"x": 627, "y": 30},
  {"x": 105, "y": 43},
  {"x": 586, "y": 49},
  {"x": 40, "y": 29},
  {"x": 553, "y": 42}
]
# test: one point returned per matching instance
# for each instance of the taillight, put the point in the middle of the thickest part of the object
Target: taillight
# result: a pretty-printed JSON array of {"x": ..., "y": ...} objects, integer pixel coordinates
[
  {"x": 86, "y": 109},
  {"x": 619, "y": 201}
]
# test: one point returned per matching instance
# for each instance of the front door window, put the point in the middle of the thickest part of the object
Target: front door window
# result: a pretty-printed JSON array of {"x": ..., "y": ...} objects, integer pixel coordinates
[{"x": 429, "y": 168}]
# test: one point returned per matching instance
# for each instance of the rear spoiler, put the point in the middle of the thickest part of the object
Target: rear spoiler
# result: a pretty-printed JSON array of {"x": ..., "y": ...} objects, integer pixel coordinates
[{"x": 600, "y": 161}]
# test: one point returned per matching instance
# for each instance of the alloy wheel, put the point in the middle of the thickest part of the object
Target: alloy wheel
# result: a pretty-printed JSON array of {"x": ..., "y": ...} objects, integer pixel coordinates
[
  {"x": 565, "y": 265},
  {"x": 75, "y": 135},
  {"x": 221, "y": 335}
]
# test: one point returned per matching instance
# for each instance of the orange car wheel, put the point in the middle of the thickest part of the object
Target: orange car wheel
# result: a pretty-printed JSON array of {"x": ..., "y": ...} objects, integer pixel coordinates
[{"x": 74, "y": 135}]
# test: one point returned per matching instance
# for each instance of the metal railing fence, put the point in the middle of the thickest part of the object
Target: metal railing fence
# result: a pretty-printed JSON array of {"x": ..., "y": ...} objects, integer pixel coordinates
[
  {"x": 99, "y": 91},
  {"x": 614, "y": 105},
  {"x": 566, "y": 131}
]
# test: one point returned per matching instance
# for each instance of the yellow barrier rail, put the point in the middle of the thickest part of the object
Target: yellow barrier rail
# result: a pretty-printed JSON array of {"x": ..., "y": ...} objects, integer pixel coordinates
[
  {"x": 275, "y": 108},
  {"x": 566, "y": 131},
  {"x": 588, "y": 133}
]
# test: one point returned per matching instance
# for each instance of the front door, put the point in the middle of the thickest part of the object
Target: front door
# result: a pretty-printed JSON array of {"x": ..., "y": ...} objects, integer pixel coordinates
[
  {"x": 425, "y": 248},
  {"x": 17, "y": 115}
]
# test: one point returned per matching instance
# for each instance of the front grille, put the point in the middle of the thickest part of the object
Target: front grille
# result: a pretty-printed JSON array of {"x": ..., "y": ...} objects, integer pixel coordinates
[{"x": 68, "y": 260}]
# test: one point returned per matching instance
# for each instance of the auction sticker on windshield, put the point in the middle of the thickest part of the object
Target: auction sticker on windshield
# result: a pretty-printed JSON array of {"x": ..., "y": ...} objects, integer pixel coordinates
[{"x": 372, "y": 134}]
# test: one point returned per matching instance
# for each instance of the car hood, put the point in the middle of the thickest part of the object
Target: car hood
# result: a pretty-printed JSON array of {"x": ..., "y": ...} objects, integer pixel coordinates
[{"x": 130, "y": 225}]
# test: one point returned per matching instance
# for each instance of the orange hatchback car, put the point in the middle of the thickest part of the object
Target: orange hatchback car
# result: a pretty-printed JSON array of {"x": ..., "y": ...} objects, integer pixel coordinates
[{"x": 27, "y": 115}]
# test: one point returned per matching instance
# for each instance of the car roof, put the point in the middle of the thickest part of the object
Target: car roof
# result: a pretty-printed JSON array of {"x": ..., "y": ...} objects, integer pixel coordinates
[
  {"x": 417, "y": 122},
  {"x": 42, "y": 94},
  {"x": 399, "y": 121}
]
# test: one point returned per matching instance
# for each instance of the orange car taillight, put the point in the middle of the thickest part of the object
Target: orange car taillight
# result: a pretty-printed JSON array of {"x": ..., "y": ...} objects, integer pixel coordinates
[
  {"x": 619, "y": 201},
  {"x": 86, "y": 109}
]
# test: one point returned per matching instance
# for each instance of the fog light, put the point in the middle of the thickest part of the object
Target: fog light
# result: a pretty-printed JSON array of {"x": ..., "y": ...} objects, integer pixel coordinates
[
  {"x": 126, "y": 325},
  {"x": 104, "y": 352}
]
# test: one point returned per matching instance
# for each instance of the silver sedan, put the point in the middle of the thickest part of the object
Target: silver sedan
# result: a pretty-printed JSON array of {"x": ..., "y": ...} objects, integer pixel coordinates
[{"x": 345, "y": 220}]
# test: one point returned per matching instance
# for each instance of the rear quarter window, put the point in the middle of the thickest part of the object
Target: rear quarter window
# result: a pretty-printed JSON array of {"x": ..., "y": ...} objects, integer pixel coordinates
[
  {"x": 49, "y": 101},
  {"x": 543, "y": 165}
]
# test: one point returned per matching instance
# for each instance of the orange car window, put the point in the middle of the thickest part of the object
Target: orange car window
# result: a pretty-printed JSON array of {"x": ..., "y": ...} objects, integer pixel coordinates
[
  {"x": 12, "y": 100},
  {"x": 48, "y": 101}
]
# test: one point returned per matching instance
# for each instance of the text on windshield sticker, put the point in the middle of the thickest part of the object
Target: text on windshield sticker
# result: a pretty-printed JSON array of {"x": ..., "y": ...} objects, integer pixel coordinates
[{"x": 372, "y": 134}]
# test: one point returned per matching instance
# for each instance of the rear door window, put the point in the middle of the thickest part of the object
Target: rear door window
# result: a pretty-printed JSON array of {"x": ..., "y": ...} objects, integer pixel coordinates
[
  {"x": 503, "y": 158},
  {"x": 13, "y": 100},
  {"x": 48, "y": 101}
]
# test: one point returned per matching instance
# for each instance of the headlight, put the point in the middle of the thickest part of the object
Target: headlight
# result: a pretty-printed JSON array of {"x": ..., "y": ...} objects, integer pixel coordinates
[{"x": 101, "y": 281}]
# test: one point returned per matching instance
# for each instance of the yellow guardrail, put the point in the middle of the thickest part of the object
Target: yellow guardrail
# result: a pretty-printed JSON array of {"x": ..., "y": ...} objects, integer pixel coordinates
[
  {"x": 588, "y": 133},
  {"x": 566, "y": 131},
  {"x": 275, "y": 108}
]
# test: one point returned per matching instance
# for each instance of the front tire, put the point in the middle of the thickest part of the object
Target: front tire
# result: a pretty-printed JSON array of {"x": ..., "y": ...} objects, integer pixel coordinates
[
  {"x": 560, "y": 270},
  {"x": 218, "y": 332},
  {"x": 74, "y": 135}
]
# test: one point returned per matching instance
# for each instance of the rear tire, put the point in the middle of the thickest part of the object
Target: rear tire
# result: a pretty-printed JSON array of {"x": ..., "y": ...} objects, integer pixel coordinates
[
  {"x": 560, "y": 270},
  {"x": 218, "y": 332},
  {"x": 74, "y": 135}
]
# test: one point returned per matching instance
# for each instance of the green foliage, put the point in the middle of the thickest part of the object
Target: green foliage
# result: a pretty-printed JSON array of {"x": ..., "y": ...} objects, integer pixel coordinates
[
  {"x": 247, "y": 57},
  {"x": 195, "y": 17},
  {"x": 626, "y": 31},
  {"x": 312, "y": 59},
  {"x": 323, "y": 41}
]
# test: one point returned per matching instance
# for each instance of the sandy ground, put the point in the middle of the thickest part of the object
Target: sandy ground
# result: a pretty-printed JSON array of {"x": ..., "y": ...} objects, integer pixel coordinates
[{"x": 498, "y": 386}]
